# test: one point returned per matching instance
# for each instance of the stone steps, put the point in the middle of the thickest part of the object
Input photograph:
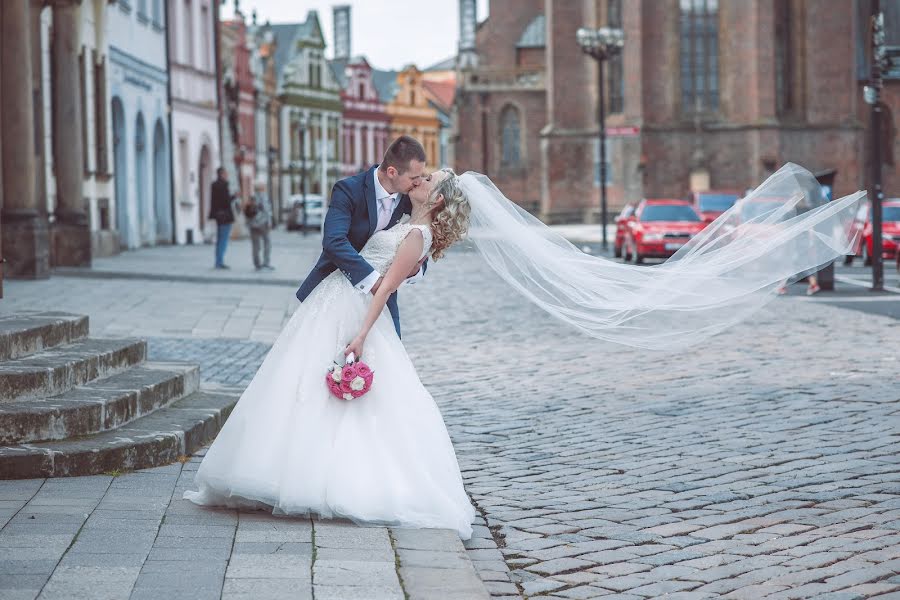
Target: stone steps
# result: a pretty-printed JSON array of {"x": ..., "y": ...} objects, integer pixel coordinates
[
  {"x": 99, "y": 405},
  {"x": 57, "y": 370},
  {"x": 155, "y": 439},
  {"x": 22, "y": 334},
  {"x": 72, "y": 405}
]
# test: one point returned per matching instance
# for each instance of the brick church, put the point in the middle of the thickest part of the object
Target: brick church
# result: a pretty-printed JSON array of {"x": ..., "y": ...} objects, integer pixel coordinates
[{"x": 707, "y": 94}]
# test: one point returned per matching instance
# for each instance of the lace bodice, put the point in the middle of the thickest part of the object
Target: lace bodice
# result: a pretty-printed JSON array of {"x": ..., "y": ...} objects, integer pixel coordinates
[{"x": 382, "y": 247}]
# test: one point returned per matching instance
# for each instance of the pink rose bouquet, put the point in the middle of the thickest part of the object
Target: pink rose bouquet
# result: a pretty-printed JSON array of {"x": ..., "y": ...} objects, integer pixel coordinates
[{"x": 352, "y": 380}]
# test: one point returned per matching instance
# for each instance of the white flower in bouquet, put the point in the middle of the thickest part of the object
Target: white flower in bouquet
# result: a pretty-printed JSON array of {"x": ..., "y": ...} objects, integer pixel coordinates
[
  {"x": 336, "y": 374},
  {"x": 348, "y": 396},
  {"x": 357, "y": 384}
]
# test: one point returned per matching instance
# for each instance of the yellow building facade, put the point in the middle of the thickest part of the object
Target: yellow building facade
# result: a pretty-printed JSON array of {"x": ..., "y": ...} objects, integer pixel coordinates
[{"x": 412, "y": 114}]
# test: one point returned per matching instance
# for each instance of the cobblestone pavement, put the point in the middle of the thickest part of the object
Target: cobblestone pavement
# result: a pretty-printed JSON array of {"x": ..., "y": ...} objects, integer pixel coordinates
[{"x": 765, "y": 463}]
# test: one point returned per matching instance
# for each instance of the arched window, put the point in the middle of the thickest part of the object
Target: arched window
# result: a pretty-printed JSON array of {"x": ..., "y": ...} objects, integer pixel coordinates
[{"x": 510, "y": 137}]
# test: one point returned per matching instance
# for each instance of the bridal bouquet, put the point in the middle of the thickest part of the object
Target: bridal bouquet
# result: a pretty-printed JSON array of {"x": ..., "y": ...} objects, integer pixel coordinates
[{"x": 349, "y": 381}]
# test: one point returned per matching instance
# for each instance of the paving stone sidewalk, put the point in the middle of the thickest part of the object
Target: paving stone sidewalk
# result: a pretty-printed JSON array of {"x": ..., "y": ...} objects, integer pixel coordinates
[
  {"x": 132, "y": 536},
  {"x": 764, "y": 463}
]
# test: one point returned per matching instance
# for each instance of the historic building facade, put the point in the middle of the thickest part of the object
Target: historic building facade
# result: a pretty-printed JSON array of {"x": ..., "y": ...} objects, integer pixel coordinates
[
  {"x": 366, "y": 124},
  {"x": 685, "y": 110},
  {"x": 40, "y": 229},
  {"x": 138, "y": 83},
  {"x": 90, "y": 114},
  {"x": 310, "y": 109},
  {"x": 195, "y": 112},
  {"x": 412, "y": 114},
  {"x": 238, "y": 109},
  {"x": 268, "y": 109}
]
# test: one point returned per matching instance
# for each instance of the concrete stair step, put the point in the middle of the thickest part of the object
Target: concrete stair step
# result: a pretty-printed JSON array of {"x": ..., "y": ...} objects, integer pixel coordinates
[
  {"x": 57, "y": 370},
  {"x": 26, "y": 333},
  {"x": 98, "y": 406},
  {"x": 153, "y": 440}
]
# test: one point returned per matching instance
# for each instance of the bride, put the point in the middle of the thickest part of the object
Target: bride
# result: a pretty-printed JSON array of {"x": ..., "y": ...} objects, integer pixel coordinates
[{"x": 386, "y": 458}]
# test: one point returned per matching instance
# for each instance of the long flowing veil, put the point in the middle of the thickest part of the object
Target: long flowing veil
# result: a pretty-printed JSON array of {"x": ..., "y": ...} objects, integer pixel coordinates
[{"x": 779, "y": 232}]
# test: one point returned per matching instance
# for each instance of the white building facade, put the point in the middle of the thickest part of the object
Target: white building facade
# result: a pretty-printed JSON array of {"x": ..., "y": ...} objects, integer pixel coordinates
[
  {"x": 195, "y": 113},
  {"x": 137, "y": 80}
]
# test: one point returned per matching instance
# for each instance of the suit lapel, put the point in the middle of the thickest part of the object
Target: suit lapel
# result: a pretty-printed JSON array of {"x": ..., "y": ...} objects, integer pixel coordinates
[{"x": 369, "y": 188}]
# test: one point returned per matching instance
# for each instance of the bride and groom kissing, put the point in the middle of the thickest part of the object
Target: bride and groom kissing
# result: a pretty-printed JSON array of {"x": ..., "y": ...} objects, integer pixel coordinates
[{"x": 290, "y": 447}]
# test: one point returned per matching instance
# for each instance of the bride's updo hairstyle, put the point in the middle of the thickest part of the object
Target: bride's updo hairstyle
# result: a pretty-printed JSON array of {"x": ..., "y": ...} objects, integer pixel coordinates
[{"x": 451, "y": 221}]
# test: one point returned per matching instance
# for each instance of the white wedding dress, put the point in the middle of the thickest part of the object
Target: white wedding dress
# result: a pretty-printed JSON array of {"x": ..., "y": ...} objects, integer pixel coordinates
[{"x": 290, "y": 447}]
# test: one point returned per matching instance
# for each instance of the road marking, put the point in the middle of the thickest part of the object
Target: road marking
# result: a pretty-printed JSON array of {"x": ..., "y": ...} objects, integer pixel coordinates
[{"x": 851, "y": 281}]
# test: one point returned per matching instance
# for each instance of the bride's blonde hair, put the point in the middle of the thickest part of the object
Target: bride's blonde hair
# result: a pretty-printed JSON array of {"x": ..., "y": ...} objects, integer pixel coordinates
[{"x": 451, "y": 222}]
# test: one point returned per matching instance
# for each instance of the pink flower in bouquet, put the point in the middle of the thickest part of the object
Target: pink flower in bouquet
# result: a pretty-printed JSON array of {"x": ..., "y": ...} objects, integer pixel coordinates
[
  {"x": 349, "y": 373},
  {"x": 363, "y": 370},
  {"x": 345, "y": 387}
]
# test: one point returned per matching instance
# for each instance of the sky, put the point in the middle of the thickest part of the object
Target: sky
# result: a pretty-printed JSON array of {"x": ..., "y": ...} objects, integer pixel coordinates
[{"x": 390, "y": 33}]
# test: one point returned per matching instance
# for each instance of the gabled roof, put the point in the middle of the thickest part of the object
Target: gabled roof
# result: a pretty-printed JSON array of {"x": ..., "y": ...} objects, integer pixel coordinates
[
  {"x": 535, "y": 34},
  {"x": 337, "y": 68},
  {"x": 385, "y": 84},
  {"x": 441, "y": 93},
  {"x": 287, "y": 35}
]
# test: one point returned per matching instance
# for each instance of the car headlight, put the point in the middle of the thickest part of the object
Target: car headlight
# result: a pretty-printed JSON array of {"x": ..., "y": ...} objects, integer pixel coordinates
[{"x": 653, "y": 237}]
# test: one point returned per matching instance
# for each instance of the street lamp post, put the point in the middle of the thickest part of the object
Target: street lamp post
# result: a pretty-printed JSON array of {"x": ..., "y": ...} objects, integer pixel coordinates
[
  {"x": 872, "y": 93},
  {"x": 601, "y": 44}
]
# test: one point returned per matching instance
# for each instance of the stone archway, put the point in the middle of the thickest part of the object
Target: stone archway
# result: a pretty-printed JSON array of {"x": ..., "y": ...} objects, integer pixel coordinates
[
  {"x": 120, "y": 165},
  {"x": 161, "y": 192},
  {"x": 144, "y": 215}
]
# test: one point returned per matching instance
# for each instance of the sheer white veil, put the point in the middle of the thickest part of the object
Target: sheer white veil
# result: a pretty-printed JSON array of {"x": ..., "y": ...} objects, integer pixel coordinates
[{"x": 783, "y": 230}]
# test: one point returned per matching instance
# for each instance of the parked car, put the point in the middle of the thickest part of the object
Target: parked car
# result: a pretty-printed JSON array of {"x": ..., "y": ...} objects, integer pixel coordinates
[
  {"x": 660, "y": 228},
  {"x": 315, "y": 211},
  {"x": 622, "y": 220},
  {"x": 890, "y": 232},
  {"x": 712, "y": 203}
]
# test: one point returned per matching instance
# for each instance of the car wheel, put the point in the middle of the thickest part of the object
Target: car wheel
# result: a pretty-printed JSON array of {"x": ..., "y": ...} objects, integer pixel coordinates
[
  {"x": 617, "y": 251},
  {"x": 626, "y": 249},
  {"x": 848, "y": 260},
  {"x": 638, "y": 259}
]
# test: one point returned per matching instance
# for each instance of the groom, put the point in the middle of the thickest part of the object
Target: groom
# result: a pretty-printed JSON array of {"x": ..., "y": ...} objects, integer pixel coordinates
[{"x": 362, "y": 205}]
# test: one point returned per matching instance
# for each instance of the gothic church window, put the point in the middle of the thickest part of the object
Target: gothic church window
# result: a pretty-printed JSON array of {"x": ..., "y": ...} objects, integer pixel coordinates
[
  {"x": 510, "y": 138},
  {"x": 615, "y": 81},
  {"x": 699, "y": 55}
]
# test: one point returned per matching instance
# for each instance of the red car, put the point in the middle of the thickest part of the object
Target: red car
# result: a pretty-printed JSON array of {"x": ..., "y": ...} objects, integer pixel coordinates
[
  {"x": 890, "y": 231},
  {"x": 660, "y": 228},
  {"x": 712, "y": 203},
  {"x": 622, "y": 220}
]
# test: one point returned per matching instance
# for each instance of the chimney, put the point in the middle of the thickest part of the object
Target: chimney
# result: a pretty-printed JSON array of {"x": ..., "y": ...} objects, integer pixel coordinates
[
  {"x": 342, "y": 32},
  {"x": 468, "y": 18}
]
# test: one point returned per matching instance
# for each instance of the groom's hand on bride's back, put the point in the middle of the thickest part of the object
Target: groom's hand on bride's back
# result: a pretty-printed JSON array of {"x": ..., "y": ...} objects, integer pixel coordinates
[{"x": 417, "y": 268}]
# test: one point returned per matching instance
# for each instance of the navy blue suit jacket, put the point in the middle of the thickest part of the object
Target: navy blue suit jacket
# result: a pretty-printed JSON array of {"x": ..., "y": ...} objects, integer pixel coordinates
[{"x": 349, "y": 223}]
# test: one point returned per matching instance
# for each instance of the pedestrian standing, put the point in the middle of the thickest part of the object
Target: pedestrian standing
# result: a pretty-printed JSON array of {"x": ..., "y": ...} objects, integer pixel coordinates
[
  {"x": 259, "y": 218},
  {"x": 220, "y": 210}
]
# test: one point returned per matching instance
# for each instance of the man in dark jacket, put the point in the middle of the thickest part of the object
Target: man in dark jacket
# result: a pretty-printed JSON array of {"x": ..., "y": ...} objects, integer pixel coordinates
[{"x": 220, "y": 210}]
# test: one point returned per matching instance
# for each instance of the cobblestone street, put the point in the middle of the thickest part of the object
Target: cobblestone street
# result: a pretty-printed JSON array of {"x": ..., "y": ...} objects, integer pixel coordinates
[{"x": 765, "y": 463}]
